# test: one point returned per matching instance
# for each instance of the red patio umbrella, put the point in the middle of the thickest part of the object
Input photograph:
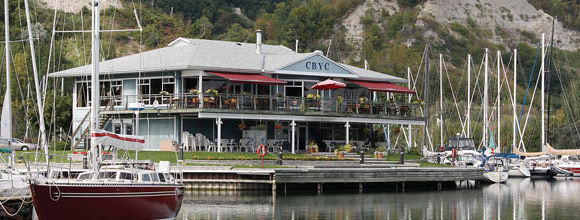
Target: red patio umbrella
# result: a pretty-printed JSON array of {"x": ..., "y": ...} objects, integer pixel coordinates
[{"x": 328, "y": 85}]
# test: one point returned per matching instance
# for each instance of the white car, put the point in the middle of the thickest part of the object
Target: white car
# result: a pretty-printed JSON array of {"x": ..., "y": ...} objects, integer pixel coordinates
[{"x": 18, "y": 144}]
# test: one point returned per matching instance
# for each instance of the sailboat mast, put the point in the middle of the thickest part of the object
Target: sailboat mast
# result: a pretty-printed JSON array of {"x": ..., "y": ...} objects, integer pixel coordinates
[
  {"x": 441, "y": 96},
  {"x": 485, "y": 104},
  {"x": 468, "y": 96},
  {"x": 515, "y": 100},
  {"x": 43, "y": 143},
  {"x": 94, "y": 120},
  {"x": 549, "y": 80},
  {"x": 7, "y": 121},
  {"x": 410, "y": 140},
  {"x": 498, "y": 147},
  {"x": 543, "y": 143},
  {"x": 426, "y": 97}
]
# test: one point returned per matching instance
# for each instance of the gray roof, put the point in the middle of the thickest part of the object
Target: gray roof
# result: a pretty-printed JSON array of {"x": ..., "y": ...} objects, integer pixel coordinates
[{"x": 198, "y": 54}]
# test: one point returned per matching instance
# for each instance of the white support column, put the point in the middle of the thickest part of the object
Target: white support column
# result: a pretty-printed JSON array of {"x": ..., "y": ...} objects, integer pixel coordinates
[
  {"x": 200, "y": 88},
  {"x": 410, "y": 139},
  {"x": 543, "y": 132},
  {"x": 219, "y": 123},
  {"x": 515, "y": 99},
  {"x": 347, "y": 128},
  {"x": 498, "y": 147},
  {"x": 468, "y": 96},
  {"x": 293, "y": 125}
]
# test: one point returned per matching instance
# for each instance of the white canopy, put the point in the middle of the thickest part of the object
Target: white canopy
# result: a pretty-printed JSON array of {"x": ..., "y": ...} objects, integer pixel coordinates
[{"x": 126, "y": 142}]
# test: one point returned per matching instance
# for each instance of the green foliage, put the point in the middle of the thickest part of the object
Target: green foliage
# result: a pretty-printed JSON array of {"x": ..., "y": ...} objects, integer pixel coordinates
[
  {"x": 568, "y": 12},
  {"x": 409, "y": 3}
]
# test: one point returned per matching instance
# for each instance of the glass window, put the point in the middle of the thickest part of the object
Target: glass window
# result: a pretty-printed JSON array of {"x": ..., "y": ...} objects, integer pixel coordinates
[
  {"x": 84, "y": 176},
  {"x": 146, "y": 177},
  {"x": 155, "y": 177},
  {"x": 125, "y": 176},
  {"x": 83, "y": 94},
  {"x": 162, "y": 177},
  {"x": 107, "y": 175},
  {"x": 117, "y": 128}
]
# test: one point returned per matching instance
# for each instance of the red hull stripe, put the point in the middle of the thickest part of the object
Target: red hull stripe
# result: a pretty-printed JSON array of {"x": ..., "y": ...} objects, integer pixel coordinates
[{"x": 107, "y": 134}]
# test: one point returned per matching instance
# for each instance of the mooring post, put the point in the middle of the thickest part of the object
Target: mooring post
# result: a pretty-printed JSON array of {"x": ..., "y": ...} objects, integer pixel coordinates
[
  {"x": 438, "y": 185},
  {"x": 280, "y": 157},
  {"x": 360, "y": 187},
  {"x": 319, "y": 190},
  {"x": 403, "y": 185},
  {"x": 362, "y": 156},
  {"x": 402, "y": 157}
]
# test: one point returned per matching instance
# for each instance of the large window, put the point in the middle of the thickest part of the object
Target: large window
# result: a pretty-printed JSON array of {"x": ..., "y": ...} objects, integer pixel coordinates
[
  {"x": 293, "y": 88},
  {"x": 110, "y": 93},
  {"x": 153, "y": 89},
  {"x": 83, "y": 94}
]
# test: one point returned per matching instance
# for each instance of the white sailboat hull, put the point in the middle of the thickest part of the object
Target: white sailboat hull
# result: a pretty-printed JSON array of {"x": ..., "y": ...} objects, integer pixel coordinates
[
  {"x": 520, "y": 172},
  {"x": 495, "y": 176}
]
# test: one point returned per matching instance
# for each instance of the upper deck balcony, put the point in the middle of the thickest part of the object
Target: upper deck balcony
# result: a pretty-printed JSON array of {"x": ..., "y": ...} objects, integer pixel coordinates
[{"x": 263, "y": 104}]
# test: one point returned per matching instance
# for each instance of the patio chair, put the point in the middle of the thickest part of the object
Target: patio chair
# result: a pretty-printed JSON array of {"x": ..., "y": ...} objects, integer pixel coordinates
[
  {"x": 184, "y": 140},
  {"x": 244, "y": 144},
  {"x": 210, "y": 146},
  {"x": 233, "y": 145},
  {"x": 192, "y": 144},
  {"x": 271, "y": 145}
]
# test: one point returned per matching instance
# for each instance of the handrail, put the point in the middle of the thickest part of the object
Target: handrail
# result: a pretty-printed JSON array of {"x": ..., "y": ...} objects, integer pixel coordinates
[{"x": 272, "y": 103}]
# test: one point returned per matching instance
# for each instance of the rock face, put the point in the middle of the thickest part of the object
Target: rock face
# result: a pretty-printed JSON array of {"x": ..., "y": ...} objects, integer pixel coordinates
[
  {"x": 515, "y": 16},
  {"x": 511, "y": 17},
  {"x": 75, "y": 6},
  {"x": 352, "y": 22}
]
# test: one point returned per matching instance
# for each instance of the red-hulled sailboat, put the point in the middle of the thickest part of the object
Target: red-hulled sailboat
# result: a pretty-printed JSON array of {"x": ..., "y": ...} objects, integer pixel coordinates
[{"x": 108, "y": 192}]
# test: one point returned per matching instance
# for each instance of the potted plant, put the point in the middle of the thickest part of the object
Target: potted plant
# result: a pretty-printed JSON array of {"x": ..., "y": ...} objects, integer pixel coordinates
[
  {"x": 380, "y": 152},
  {"x": 242, "y": 126},
  {"x": 212, "y": 92},
  {"x": 312, "y": 147},
  {"x": 362, "y": 99},
  {"x": 339, "y": 104},
  {"x": 261, "y": 126},
  {"x": 342, "y": 150},
  {"x": 193, "y": 91},
  {"x": 164, "y": 93}
]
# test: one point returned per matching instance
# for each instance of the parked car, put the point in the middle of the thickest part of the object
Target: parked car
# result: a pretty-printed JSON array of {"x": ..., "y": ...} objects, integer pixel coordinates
[{"x": 18, "y": 144}]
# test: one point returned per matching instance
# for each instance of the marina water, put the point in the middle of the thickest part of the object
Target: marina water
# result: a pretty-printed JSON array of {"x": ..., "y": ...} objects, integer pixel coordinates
[{"x": 516, "y": 199}]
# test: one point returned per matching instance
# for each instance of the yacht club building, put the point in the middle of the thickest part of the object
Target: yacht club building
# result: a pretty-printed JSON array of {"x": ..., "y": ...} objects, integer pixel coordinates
[{"x": 228, "y": 96}]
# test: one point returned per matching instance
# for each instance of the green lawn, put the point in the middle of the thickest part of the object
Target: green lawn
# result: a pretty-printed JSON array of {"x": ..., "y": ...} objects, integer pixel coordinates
[
  {"x": 395, "y": 157},
  {"x": 427, "y": 164},
  {"x": 156, "y": 156}
]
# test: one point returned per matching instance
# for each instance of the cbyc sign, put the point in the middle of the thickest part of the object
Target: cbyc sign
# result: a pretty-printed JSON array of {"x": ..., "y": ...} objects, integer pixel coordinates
[{"x": 317, "y": 66}]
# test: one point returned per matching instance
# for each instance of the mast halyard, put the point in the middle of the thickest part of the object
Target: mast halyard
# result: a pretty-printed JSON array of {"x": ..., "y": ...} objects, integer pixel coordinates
[
  {"x": 94, "y": 119},
  {"x": 42, "y": 129}
]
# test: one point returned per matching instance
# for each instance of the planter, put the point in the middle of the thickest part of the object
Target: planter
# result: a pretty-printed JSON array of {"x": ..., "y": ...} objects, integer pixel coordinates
[
  {"x": 380, "y": 155},
  {"x": 340, "y": 155},
  {"x": 311, "y": 150}
]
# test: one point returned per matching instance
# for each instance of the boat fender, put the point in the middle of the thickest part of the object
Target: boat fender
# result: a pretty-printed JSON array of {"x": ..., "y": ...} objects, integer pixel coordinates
[{"x": 261, "y": 151}]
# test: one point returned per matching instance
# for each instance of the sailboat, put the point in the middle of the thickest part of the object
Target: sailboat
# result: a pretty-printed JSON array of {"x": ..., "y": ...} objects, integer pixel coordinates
[
  {"x": 13, "y": 184},
  {"x": 108, "y": 192}
]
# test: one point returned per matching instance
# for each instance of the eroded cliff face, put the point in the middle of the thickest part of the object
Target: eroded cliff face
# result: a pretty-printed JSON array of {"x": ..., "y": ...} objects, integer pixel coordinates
[
  {"x": 513, "y": 17},
  {"x": 75, "y": 6},
  {"x": 508, "y": 21}
]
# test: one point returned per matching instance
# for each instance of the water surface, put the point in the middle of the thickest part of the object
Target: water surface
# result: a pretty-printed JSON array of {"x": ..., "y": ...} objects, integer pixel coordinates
[{"x": 516, "y": 199}]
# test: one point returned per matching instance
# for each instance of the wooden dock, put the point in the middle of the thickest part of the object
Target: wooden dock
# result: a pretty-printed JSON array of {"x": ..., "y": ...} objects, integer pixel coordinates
[{"x": 315, "y": 178}]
